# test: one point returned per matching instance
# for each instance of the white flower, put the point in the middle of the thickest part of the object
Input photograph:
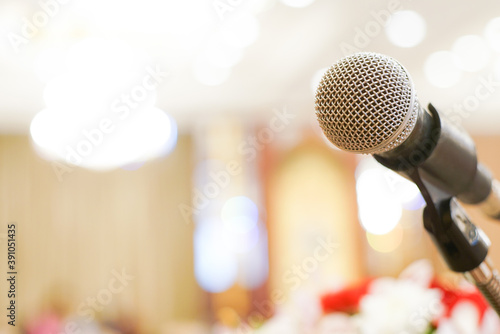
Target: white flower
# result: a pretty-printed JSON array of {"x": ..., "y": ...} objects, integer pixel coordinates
[
  {"x": 464, "y": 319},
  {"x": 337, "y": 323},
  {"x": 398, "y": 306},
  {"x": 280, "y": 323},
  {"x": 491, "y": 323}
]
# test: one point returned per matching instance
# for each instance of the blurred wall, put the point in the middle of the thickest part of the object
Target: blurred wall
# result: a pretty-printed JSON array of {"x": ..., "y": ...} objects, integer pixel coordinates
[
  {"x": 314, "y": 232},
  {"x": 77, "y": 235}
]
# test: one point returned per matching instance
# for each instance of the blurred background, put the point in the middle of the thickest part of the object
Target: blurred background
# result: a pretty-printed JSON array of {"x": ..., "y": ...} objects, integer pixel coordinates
[{"x": 166, "y": 173}]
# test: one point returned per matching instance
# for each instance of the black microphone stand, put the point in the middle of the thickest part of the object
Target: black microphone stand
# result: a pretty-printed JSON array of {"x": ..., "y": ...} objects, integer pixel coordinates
[{"x": 463, "y": 245}]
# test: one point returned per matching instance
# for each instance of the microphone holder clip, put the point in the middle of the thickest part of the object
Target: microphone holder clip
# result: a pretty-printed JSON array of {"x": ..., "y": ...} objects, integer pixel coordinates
[{"x": 463, "y": 245}]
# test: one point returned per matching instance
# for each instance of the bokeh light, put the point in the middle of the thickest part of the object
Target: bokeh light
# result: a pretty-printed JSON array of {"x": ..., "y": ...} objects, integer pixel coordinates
[
  {"x": 100, "y": 110},
  {"x": 406, "y": 29},
  {"x": 388, "y": 242},
  {"x": 49, "y": 64},
  {"x": 240, "y": 214},
  {"x": 404, "y": 191},
  {"x": 241, "y": 30},
  {"x": 297, "y": 3},
  {"x": 222, "y": 55},
  {"x": 379, "y": 213},
  {"x": 208, "y": 74},
  {"x": 492, "y": 34},
  {"x": 472, "y": 53},
  {"x": 440, "y": 69},
  {"x": 216, "y": 266},
  {"x": 254, "y": 270}
]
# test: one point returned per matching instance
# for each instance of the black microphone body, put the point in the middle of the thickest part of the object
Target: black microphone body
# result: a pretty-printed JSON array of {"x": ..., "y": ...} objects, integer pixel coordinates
[
  {"x": 446, "y": 157},
  {"x": 366, "y": 103}
]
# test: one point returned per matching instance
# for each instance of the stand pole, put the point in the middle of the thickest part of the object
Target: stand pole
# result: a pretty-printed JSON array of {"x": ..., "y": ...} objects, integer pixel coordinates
[
  {"x": 487, "y": 280},
  {"x": 463, "y": 246}
]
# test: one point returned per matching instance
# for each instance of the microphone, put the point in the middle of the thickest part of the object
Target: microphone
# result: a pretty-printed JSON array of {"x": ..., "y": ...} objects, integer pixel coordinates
[{"x": 366, "y": 103}]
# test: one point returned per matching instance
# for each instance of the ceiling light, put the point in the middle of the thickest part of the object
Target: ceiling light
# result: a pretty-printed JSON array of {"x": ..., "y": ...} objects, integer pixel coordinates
[{"x": 100, "y": 112}]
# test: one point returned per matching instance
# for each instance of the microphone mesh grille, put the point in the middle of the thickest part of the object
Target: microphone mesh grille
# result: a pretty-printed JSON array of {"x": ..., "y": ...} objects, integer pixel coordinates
[{"x": 365, "y": 103}]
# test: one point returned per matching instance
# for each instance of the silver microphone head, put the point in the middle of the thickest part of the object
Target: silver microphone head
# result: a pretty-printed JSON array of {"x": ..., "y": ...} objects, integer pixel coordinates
[{"x": 366, "y": 103}]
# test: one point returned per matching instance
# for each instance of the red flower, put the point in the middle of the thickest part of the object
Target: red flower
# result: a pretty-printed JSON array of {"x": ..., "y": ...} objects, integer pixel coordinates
[
  {"x": 346, "y": 300},
  {"x": 452, "y": 297}
]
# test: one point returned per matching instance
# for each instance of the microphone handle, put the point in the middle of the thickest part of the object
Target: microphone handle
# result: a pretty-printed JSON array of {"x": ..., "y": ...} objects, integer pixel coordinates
[{"x": 447, "y": 161}]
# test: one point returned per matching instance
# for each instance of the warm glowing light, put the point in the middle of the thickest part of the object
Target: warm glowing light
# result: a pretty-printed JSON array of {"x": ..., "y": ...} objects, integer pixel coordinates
[
  {"x": 240, "y": 30},
  {"x": 406, "y": 29},
  {"x": 104, "y": 144},
  {"x": 492, "y": 34},
  {"x": 50, "y": 64},
  {"x": 209, "y": 74},
  {"x": 95, "y": 56},
  {"x": 297, "y": 3},
  {"x": 183, "y": 19},
  {"x": 219, "y": 54},
  {"x": 379, "y": 213},
  {"x": 472, "y": 53},
  {"x": 386, "y": 243},
  {"x": 100, "y": 112},
  {"x": 440, "y": 69},
  {"x": 259, "y": 6}
]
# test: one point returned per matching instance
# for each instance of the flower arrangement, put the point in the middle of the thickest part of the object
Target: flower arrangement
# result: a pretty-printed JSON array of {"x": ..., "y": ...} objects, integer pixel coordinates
[{"x": 415, "y": 302}]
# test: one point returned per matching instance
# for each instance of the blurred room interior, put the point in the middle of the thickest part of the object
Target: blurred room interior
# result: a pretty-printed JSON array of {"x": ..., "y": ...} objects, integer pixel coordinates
[{"x": 165, "y": 170}]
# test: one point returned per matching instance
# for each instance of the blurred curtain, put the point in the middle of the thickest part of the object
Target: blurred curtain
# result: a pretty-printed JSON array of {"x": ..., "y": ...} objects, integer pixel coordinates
[{"x": 76, "y": 233}]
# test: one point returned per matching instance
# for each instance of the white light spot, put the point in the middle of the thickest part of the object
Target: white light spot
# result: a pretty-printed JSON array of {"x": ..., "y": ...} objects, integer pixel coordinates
[
  {"x": 209, "y": 74},
  {"x": 297, "y": 3},
  {"x": 440, "y": 69},
  {"x": 240, "y": 214},
  {"x": 406, "y": 29},
  {"x": 241, "y": 30},
  {"x": 472, "y": 53},
  {"x": 216, "y": 266},
  {"x": 404, "y": 191},
  {"x": 492, "y": 34},
  {"x": 49, "y": 64},
  {"x": 379, "y": 213},
  {"x": 100, "y": 112},
  {"x": 222, "y": 55}
]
